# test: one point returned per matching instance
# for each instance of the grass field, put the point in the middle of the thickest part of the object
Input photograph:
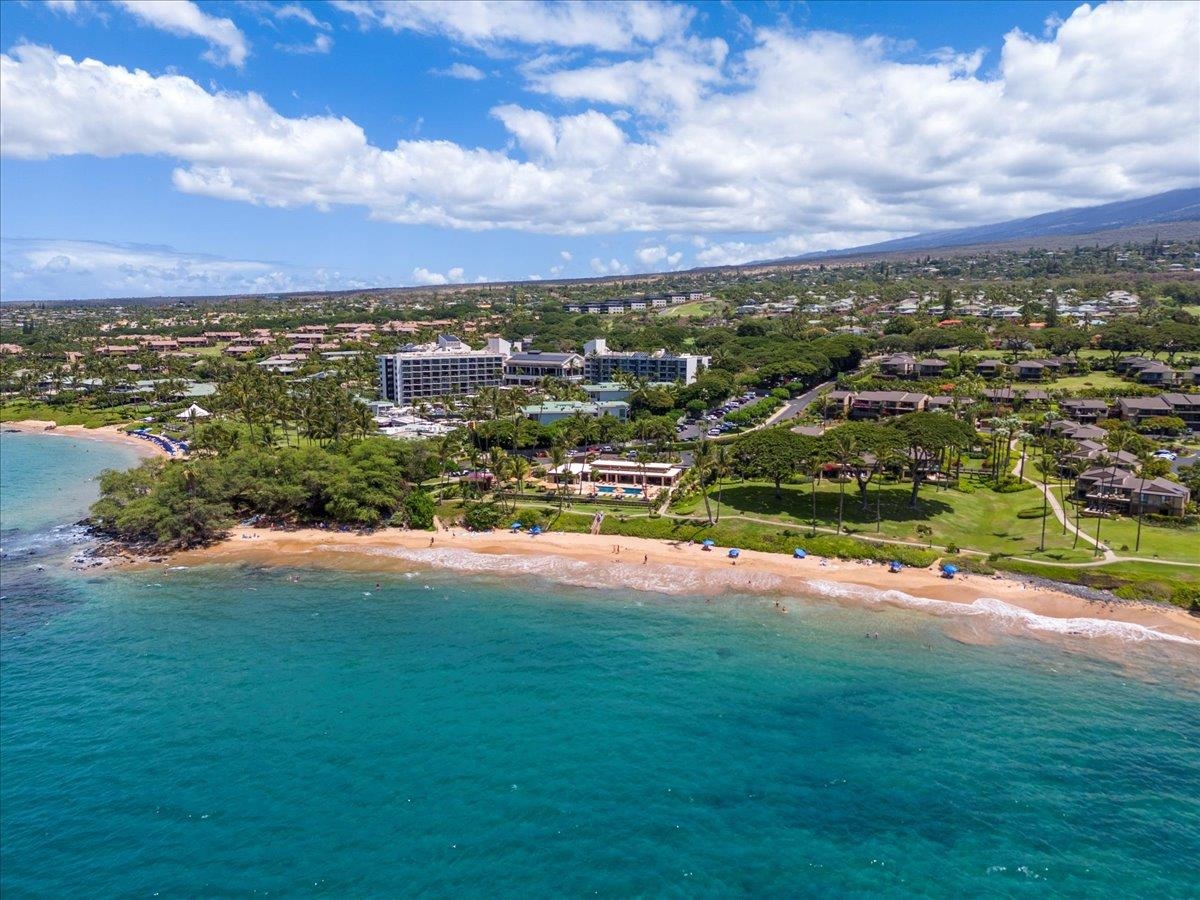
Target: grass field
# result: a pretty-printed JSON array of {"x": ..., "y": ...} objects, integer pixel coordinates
[
  {"x": 696, "y": 309},
  {"x": 1158, "y": 542},
  {"x": 1132, "y": 580},
  {"x": 17, "y": 410},
  {"x": 1090, "y": 381},
  {"x": 983, "y": 520}
]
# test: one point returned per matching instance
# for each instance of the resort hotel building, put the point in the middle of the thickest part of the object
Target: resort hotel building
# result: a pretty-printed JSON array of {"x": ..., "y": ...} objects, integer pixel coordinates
[
  {"x": 601, "y": 364},
  {"x": 447, "y": 367}
]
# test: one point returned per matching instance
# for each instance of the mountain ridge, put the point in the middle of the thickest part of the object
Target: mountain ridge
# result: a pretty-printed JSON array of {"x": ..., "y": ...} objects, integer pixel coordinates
[{"x": 1180, "y": 205}]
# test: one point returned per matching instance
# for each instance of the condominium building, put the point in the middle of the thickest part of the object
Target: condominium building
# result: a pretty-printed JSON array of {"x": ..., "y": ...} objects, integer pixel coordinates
[
  {"x": 601, "y": 364},
  {"x": 447, "y": 367}
]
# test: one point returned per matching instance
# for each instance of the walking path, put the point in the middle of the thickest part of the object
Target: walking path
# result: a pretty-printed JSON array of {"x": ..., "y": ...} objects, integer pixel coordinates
[{"x": 1060, "y": 514}]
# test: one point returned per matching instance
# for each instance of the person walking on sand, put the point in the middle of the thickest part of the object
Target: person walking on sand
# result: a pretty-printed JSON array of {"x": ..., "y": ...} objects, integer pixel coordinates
[
  {"x": 645, "y": 558},
  {"x": 431, "y": 542}
]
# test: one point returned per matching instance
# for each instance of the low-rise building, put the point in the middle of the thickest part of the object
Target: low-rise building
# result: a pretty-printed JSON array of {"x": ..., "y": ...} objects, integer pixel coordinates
[
  {"x": 1079, "y": 410},
  {"x": 931, "y": 368},
  {"x": 1155, "y": 373},
  {"x": 898, "y": 365},
  {"x": 1113, "y": 489},
  {"x": 552, "y": 411},
  {"x": 1186, "y": 407},
  {"x": 1136, "y": 410},
  {"x": 1029, "y": 370},
  {"x": 607, "y": 390},
  {"x": 880, "y": 404},
  {"x": 532, "y": 367}
]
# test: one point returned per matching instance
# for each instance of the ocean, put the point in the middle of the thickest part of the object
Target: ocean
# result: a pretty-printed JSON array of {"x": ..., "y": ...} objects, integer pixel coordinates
[{"x": 275, "y": 731}]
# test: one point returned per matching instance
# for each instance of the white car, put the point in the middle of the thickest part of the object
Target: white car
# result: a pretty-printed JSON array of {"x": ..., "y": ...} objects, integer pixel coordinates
[{"x": 1165, "y": 454}]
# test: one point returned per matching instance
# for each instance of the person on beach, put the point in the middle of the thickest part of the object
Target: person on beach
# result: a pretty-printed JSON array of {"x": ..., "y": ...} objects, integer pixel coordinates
[
  {"x": 645, "y": 558},
  {"x": 431, "y": 542}
]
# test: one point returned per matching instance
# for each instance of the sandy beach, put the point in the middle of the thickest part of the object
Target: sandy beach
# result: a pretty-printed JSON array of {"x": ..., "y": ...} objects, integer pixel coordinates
[
  {"x": 111, "y": 434},
  {"x": 984, "y": 605}
]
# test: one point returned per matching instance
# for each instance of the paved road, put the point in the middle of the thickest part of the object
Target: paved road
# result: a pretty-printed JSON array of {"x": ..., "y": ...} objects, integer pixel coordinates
[{"x": 797, "y": 405}]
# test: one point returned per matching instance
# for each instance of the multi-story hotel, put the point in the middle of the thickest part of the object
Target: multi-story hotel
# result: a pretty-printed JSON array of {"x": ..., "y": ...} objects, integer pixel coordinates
[
  {"x": 446, "y": 368},
  {"x": 601, "y": 364}
]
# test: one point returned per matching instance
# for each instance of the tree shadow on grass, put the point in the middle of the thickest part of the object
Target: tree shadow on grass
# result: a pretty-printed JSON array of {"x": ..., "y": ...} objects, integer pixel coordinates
[{"x": 760, "y": 500}]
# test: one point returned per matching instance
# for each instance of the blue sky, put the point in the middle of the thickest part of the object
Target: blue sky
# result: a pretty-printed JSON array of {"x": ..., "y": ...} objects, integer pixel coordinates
[{"x": 179, "y": 148}]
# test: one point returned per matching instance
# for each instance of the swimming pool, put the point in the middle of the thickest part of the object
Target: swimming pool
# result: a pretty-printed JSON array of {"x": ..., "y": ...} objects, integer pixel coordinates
[{"x": 610, "y": 489}]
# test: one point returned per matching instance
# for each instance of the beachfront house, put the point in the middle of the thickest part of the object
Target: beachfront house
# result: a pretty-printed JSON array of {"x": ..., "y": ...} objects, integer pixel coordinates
[{"x": 1112, "y": 489}]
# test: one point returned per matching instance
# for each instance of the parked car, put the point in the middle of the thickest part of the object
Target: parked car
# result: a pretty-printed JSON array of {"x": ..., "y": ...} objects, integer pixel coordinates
[
  {"x": 714, "y": 432},
  {"x": 1165, "y": 454}
]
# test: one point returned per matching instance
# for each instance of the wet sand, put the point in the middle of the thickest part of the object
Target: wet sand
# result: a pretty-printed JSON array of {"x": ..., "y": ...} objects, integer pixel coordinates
[
  {"x": 664, "y": 567},
  {"x": 111, "y": 434}
]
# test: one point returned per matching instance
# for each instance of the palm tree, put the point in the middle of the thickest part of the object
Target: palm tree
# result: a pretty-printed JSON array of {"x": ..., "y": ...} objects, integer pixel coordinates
[
  {"x": 721, "y": 463},
  {"x": 558, "y": 458},
  {"x": 702, "y": 460},
  {"x": 518, "y": 466},
  {"x": 844, "y": 450}
]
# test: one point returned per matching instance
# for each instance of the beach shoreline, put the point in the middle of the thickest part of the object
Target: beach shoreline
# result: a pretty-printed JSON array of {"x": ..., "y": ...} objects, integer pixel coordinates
[
  {"x": 657, "y": 566},
  {"x": 110, "y": 434}
]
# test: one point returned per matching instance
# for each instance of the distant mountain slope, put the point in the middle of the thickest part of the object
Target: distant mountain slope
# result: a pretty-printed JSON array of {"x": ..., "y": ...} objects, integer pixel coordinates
[{"x": 1173, "y": 206}]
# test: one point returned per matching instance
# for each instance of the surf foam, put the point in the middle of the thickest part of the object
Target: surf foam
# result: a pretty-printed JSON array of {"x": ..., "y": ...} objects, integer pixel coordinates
[{"x": 1005, "y": 612}]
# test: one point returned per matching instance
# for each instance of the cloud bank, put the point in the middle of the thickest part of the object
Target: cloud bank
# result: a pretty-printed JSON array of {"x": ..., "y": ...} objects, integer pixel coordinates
[{"x": 804, "y": 141}]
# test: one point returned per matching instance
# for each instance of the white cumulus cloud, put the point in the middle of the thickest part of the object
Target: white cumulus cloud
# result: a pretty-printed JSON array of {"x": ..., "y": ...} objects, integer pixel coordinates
[
  {"x": 33, "y": 269},
  {"x": 562, "y": 23},
  {"x": 227, "y": 43},
  {"x": 656, "y": 254},
  {"x": 461, "y": 71},
  {"x": 804, "y": 138},
  {"x": 611, "y": 267}
]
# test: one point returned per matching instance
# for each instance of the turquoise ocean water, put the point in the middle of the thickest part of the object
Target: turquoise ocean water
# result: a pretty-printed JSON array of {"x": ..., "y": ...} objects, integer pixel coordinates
[{"x": 222, "y": 731}]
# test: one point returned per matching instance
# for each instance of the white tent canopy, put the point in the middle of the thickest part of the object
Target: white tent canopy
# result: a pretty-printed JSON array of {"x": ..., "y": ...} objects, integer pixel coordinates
[{"x": 194, "y": 412}]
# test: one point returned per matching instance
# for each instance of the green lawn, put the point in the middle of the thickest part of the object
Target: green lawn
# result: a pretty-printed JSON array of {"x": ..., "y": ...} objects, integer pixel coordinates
[
  {"x": 983, "y": 520},
  {"x": 695, "y": 309},
  {"x": 1158, "y": 542},
  {"x": 17, "y": 410},
  {"x": 1090, "y": 381},
  {"x": 1132, "y": 580}
]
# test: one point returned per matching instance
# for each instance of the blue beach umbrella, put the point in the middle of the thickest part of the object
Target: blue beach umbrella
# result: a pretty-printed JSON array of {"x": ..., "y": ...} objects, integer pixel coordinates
[
  {"x": 735, "y": 553},
  {"x": 950, "y": 570},
  {"x": 799, "y": 553},
  {"x": 895, "y": 566},
  {"x": 516, "y": 526},
  {"x": 536, "y": 529},
  {"x": 707, "y": 542}
]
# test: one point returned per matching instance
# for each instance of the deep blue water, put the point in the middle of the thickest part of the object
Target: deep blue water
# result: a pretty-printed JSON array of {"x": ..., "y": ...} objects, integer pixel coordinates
[{"x": 243, "y": 732}]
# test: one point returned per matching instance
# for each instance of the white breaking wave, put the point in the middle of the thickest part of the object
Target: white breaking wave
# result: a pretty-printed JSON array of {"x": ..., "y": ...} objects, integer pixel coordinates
[
  {"x": 674, "y": 579},
  {"x": 657, "y": 578},
  {"x": 1007, "y": 612}
]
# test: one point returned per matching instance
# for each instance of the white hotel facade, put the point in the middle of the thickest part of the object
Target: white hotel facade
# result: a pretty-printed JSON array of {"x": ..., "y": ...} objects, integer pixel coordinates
[{"x": 446, "y": 368}]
